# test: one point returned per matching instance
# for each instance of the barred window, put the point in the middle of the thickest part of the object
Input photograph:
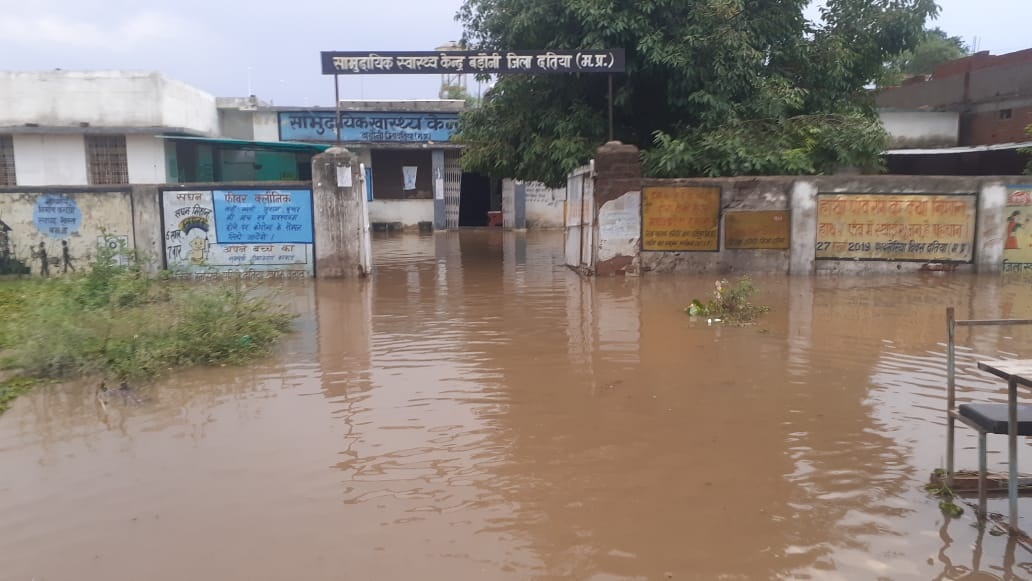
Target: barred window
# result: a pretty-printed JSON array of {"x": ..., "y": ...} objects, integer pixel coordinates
[
  {"x": 105, "y": 155},
  {"x": 7, "y": 177}
]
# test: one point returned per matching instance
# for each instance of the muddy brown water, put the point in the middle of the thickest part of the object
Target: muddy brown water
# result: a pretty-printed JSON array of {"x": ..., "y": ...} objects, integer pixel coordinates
[{"x": 476, "y": 411}]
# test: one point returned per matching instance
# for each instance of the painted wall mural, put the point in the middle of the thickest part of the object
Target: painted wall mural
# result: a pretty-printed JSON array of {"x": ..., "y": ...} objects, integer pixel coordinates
[
  {"x": 258, "y": 233},
  {"x": 58, "y": 233},
  {"x": 1017, "y": 244}
]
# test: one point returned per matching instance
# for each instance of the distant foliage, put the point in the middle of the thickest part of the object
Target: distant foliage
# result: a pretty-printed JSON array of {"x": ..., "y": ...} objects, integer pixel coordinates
[
  {"x": 714, "y": 87},
  {"x": 934, "y": 48}
]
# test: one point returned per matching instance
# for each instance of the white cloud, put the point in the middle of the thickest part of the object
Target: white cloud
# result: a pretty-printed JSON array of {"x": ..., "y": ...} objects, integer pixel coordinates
[{"x": 62, "y": 32}]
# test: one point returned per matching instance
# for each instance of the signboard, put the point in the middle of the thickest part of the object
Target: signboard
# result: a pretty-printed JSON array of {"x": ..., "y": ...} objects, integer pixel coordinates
[
  {"x": 534, "y": 62},
  {"x": 264, "y": 233},
  {"x": 925, "y": 228},
  {"x": 367, "y": 127},
  {"x": 757, "y": 230},
  {"x": 1017, "y": 242},
  {"x": 677, "y": 219}
]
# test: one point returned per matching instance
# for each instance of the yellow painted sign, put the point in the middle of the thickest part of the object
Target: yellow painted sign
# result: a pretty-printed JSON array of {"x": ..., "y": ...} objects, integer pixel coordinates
[
  {"x": 678, "y": 219},
  {"x": 1017, "y": 241},
  {"x": 756, "y": 230},
  {"x": 932, "y": 228}
]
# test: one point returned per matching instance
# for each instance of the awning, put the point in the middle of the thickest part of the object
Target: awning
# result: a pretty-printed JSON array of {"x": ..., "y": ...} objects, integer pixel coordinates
[
  {"x": 957, "y": 150},
  {"x": 245, "y": 144}
]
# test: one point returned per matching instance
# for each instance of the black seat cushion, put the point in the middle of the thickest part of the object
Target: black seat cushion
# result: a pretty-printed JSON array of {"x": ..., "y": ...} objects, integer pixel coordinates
[{"x": 992, "y": 417}]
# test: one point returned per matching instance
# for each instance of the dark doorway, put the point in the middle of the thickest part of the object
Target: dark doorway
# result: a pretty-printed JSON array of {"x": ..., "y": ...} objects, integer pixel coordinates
[{"x": 474, "y": 200}]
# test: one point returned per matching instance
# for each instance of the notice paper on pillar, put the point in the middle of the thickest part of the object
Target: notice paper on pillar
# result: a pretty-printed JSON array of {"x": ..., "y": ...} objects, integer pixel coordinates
[
  {"x": 409, "y": 175},
  {"x": 343, "y": 176}
]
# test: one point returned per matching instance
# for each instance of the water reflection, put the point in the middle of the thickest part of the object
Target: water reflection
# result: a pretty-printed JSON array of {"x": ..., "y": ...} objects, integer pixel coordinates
[{"x": 478, "y": 411}]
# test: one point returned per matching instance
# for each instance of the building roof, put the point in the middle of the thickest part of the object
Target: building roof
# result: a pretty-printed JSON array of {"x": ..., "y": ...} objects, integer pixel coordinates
[{"x": 267, "y": 145}]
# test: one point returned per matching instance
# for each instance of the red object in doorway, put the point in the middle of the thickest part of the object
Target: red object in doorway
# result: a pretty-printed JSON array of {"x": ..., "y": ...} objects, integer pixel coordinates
[{"x": 494, "y": 218}]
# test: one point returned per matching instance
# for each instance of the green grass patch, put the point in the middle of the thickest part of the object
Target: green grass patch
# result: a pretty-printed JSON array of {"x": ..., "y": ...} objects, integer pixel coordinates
[
  {"x": 116, "y": 322},
  {"x": 12, "y": 388}
]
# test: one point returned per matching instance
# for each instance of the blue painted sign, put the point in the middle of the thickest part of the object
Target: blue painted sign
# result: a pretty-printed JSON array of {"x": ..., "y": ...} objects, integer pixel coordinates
[
  {"x": 367, "y": 127},
  {"x": 263, "y": 216},
  {"x": 56, "y": 216}
]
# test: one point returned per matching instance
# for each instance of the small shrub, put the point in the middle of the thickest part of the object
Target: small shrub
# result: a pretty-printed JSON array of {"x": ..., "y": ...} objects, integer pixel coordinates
[{"x": 730, "y": 303}]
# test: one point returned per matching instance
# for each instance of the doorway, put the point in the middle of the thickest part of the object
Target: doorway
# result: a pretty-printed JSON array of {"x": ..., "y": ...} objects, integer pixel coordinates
[{"x": 474, "y": 200}]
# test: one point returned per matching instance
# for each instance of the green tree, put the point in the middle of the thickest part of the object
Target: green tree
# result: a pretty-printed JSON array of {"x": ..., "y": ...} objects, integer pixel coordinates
[
  {"x": 711, "y": 85},
  {"x": 934, "y": 48}
]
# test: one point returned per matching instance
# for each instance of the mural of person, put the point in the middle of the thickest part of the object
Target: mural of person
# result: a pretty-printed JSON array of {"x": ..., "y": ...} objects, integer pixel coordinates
[
  {"x": 44, "y": 260},
  {"x": 195, "y": 229},
  {"x": 66, "y": 257},
  {"x": 1012, "y": 231}
]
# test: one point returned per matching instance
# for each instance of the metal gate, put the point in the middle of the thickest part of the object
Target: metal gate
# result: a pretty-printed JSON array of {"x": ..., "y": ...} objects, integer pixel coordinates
[{"x": 580, "y": 219}]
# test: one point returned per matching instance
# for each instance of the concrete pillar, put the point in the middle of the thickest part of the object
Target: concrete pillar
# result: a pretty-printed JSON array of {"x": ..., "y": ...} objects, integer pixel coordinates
[
  {"x": 992, "y": 202},
  {"x": 616, "y": 246},
  {"x": 437, "y": 167},
  {"x": 803, "y": 202},
  {"x": 341, "y": 233}
]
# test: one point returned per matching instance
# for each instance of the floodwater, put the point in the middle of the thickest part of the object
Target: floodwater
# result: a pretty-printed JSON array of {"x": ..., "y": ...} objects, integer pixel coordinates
[{"x": 476, "y": 411}]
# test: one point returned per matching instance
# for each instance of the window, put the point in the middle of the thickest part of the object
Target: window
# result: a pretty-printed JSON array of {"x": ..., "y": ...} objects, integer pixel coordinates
[
  {"x": 105, "y": 156},
  {"x": 7, "y": 177},
  {"x": 1006, "y": 113}
]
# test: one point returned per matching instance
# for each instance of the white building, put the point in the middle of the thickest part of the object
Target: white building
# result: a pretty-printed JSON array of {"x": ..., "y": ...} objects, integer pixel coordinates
[{"x": 93, "y": 128}]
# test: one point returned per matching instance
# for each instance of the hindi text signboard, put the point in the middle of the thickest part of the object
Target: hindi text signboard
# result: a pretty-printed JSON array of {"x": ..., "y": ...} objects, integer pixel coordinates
[
  {"x": 260, "y": 233},
  {"x": 679, "y": 219},
  {"x": 905, "y": 227},
  {"x": 535, "y": 62},
  {"x": 372, "y": 127},
  {"x": 757, "y": 230}
]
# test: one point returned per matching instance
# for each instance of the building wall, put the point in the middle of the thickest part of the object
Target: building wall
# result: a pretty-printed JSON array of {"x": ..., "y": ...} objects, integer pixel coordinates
[
  {"x": 50, "y": 159},
  {"x": 1002, "y": 123},
  {"x": 76, "y": 219},
  {"x": 104, "y": 100},
  {"x": 145, "y": 156},
  {"x": 409, "y": 213},
  {"x": 545, "y": 207},
  {"x": 388, "y": 174},
  {"x": 266, "y": 126},
  {"x": 187, "y": 107},
  {"x": 921, "y": 128},
  {"x": 993, "y": 94},
  {"x": 802, "y": 225}
]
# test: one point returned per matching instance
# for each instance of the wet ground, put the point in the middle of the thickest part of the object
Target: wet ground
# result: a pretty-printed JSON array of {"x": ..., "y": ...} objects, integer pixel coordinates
[{"x": 476, "y": 411}]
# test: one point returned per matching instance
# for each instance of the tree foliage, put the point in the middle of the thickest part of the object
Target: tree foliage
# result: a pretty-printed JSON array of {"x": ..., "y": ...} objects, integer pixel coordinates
[
  {"x": 711, "y": 85},
  {"x": 934, "y": 48}
]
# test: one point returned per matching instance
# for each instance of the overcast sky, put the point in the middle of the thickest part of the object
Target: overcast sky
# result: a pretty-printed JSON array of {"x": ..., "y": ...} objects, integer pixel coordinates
[{"x": 272, "y": 48}]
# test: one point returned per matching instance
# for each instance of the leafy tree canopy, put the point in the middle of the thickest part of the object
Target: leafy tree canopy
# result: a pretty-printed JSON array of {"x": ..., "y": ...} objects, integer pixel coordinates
[
  {"x": 713, "y": 87},
  {"x": 934, "y": 48}
]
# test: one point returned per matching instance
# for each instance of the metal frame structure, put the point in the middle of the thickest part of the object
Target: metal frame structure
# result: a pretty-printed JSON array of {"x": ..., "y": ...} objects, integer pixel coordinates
[{"x": 952, "y": 416}]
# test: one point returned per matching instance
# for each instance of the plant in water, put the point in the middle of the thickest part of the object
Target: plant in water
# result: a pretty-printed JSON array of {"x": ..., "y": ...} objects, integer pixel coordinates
[
  {"x": 938, "y": 488},
  {"x": 730, "y": 303}
]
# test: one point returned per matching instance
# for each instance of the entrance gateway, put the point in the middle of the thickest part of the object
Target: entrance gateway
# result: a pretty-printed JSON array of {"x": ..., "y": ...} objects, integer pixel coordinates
[{"x": 421, "y": 163}]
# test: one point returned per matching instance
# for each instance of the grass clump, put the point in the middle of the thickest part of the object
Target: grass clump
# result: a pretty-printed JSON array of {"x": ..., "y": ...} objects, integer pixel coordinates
[
  {"x": 116, "y": 322},
  {"x": 12, "y": 388},
  {"x": 730, "y": 303}
]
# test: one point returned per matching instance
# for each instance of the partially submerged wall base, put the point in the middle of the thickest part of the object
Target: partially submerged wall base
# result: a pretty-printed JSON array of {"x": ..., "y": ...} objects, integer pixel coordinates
[{"x": 799, "y": 225}]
